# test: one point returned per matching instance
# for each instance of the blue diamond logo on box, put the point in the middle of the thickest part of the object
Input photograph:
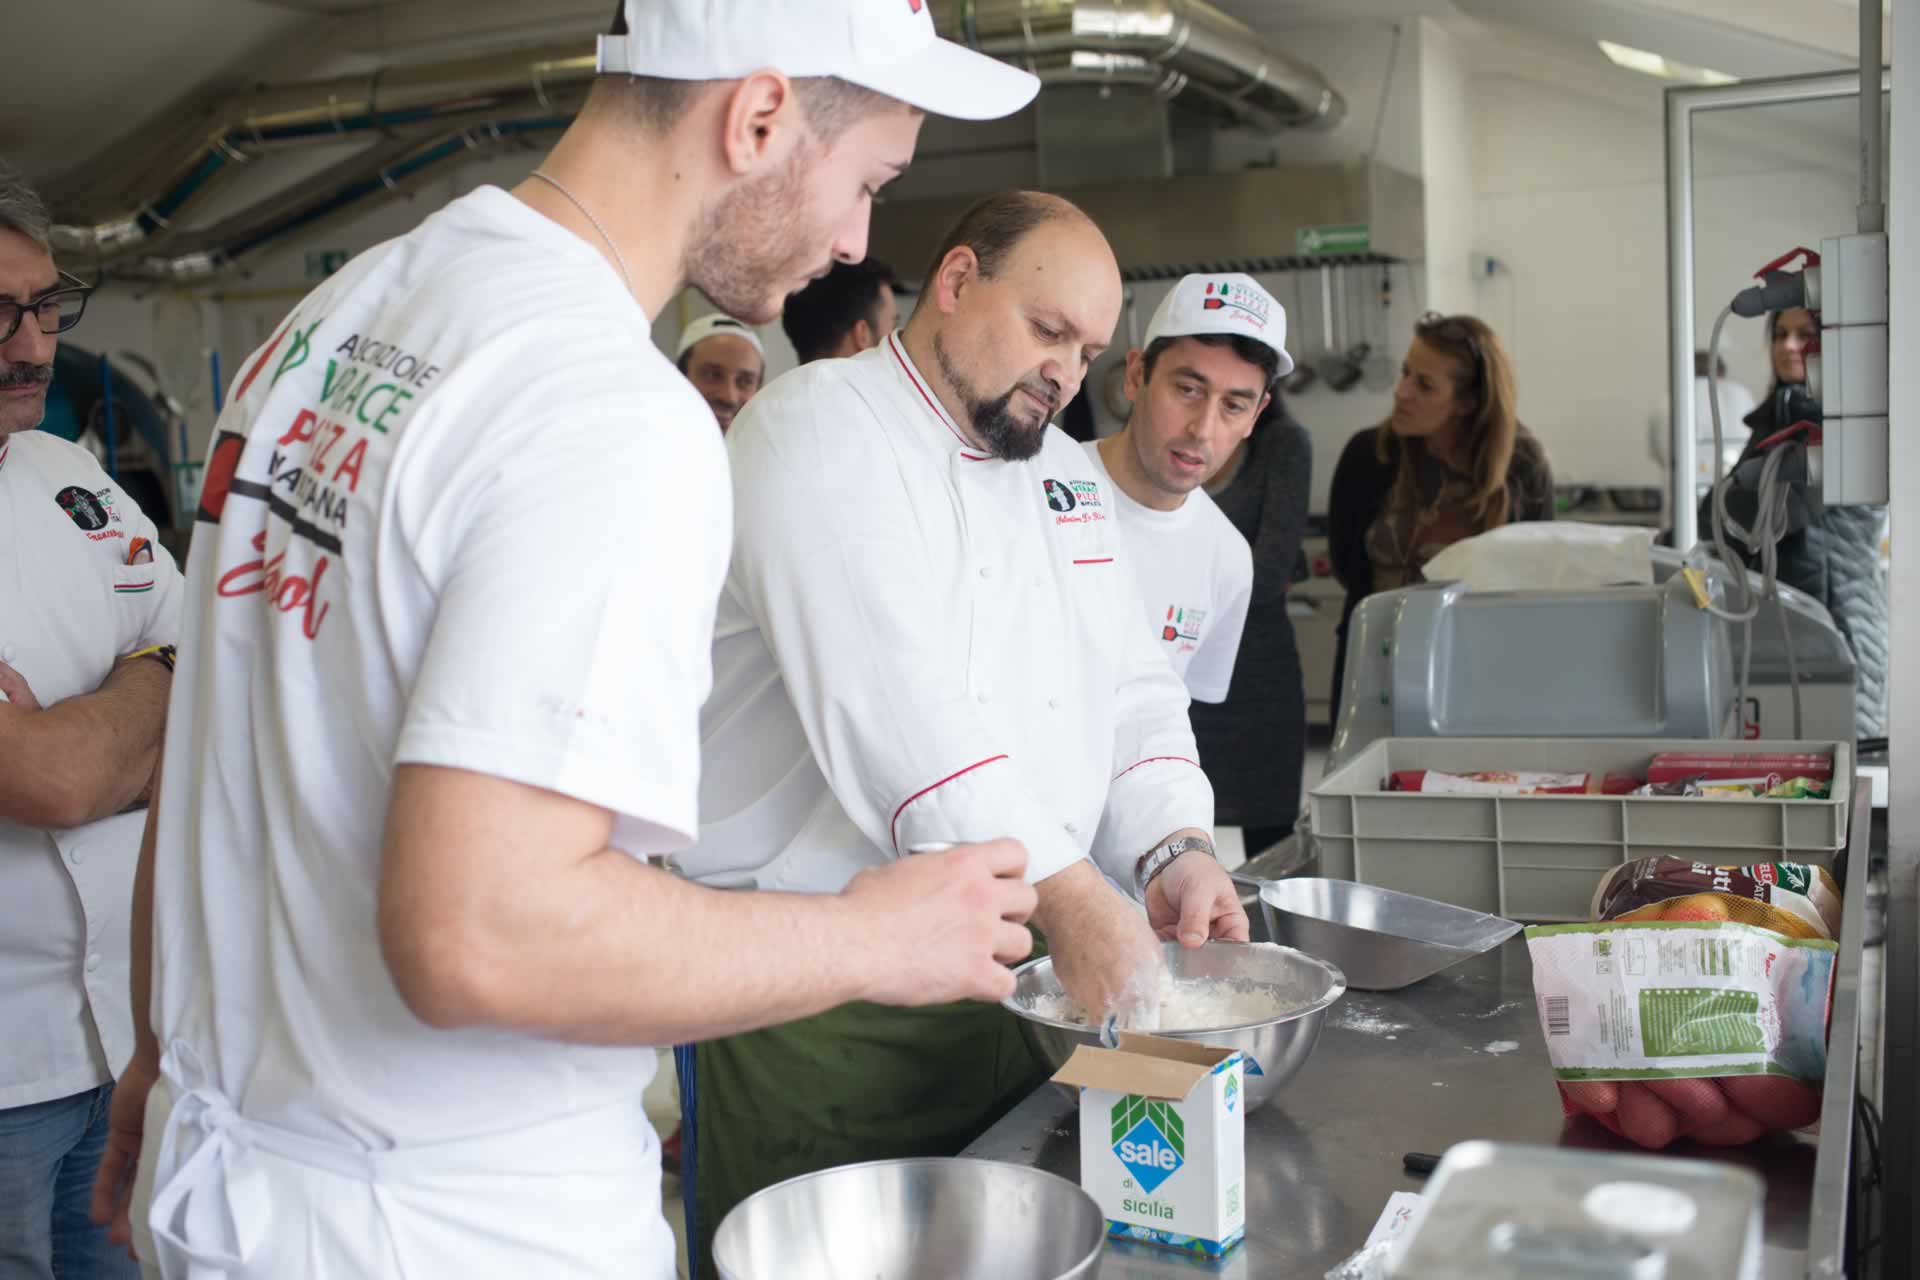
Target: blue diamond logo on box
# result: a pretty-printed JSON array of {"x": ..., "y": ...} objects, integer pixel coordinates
[{"x": 1152, "y": 1141}]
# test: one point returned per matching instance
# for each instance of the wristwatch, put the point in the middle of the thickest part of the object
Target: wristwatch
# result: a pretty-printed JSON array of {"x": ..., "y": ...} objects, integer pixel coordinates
[{"x": 1161, "y": 857}]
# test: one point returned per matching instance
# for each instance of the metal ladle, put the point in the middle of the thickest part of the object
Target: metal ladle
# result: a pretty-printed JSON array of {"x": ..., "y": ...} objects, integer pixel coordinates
[
  {"x": 1304, "y": 375},
  {"x": 1340, "y": 369}
]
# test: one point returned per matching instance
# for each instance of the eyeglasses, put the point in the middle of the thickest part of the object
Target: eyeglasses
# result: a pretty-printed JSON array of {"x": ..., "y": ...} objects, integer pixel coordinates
[{"x": 55, "y": 311}]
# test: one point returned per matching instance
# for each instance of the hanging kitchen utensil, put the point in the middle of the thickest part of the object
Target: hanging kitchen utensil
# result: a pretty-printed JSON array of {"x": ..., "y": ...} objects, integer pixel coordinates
[
  {"x": 1338, "y": 368},
  {"x": 1376, "y": 371},
  {"x": 1353, "y": 302},
  {"x": 1304, "y": 374}
]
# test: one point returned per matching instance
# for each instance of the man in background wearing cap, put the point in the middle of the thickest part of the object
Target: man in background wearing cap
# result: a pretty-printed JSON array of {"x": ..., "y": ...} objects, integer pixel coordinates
[
  {"x": 406, "y": 952},
  {"x": 724, "y": 361},
  {"x": 849, "y": 310},
  {"x": 929, "y": 634},
  {"x": 1213, "y": 350}
]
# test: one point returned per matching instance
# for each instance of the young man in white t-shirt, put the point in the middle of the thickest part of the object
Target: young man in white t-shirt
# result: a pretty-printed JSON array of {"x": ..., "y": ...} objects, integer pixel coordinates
[
  {"x": 1213, "y": 350},
  {"x": 398, "y": 950}
]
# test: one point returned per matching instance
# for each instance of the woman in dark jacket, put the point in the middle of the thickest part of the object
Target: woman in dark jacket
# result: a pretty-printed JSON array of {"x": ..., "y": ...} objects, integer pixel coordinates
[
  {"x": 1836, "y": 558},
  {"x": 1253, "y": 745},
  {"x": 1453, "y": 461}
]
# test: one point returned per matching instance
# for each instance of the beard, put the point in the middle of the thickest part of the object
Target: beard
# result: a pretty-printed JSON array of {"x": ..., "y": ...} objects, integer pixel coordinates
[
  {"x": 1005, "y": 435},
  {"x": 752, "y": 251}
]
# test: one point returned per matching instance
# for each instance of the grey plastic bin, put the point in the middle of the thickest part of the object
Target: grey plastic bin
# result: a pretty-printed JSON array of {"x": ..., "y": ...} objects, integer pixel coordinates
[{"x": 1540, "y": 857}]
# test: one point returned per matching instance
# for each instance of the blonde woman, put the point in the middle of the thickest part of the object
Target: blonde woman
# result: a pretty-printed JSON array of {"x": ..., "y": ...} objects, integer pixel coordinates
[{"x": 1451, "y": 462}]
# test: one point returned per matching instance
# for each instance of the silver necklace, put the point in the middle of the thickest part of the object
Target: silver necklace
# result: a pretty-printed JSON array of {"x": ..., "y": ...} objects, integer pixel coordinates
[{"x": 587, "y": 213}]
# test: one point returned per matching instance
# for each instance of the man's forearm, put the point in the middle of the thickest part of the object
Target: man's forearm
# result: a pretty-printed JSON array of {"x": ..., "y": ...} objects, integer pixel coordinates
[
  {"x": 1067, "y": 894},
  {"x": 711, "y": 962},
  {"x": 89, "y": 757},
  {"x": 146, "y": 1045}
]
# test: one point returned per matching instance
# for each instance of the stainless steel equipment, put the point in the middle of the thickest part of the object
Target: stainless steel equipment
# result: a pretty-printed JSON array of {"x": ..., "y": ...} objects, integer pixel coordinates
[
  {"x": 1500, "y": 1212},
  {"x": 1303, "y": 988},
  {"x": 1382, "y": 940},
  {"x": 914, "y": 1220},
  {"x": 1440, "y": 661}
]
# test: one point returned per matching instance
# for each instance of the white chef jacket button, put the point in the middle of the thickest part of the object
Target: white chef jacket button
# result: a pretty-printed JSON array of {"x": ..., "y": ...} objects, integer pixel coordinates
[
  {"x": 980, "y": 697},
  {"x": 93, "y": 961},
  {"x": 986, "y": 571},
  {"x": 1073, "y": 828},
  {"x": 76, "y": 855},
  {"x": 1053, "y": 704}
]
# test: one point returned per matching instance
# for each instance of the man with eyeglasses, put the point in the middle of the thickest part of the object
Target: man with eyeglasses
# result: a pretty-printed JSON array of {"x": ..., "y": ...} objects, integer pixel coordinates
[{"x": 87, "y": 600}]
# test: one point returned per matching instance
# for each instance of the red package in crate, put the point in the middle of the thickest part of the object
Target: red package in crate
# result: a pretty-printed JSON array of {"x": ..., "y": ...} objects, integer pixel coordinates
[
  {"x": 1685, "y": 766},
  {"x": 1505, "y": 783}
]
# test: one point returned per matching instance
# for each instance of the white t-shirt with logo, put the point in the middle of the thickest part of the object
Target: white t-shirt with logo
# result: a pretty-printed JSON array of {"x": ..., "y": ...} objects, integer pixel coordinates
[
  {"x": 1195, "y": 573},
  {"x": 460, "y": 512}
]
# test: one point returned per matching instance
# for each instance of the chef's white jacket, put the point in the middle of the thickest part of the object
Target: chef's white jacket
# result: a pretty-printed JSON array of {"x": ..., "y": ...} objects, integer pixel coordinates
[
  {"x": 70, "y": 606},
  {"x": 921, "y": 643}
]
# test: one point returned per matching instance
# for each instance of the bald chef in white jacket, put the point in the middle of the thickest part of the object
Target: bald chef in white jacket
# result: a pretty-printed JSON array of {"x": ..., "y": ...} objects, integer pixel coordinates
[{"x": 929, "y": 635}]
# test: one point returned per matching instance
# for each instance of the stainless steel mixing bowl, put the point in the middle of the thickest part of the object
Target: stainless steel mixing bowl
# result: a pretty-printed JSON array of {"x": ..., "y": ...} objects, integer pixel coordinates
[
  {"x": 1382, "y": 940},
  {"x": 1303, "y": 989},
  {"x": 914, "y": 1220}
]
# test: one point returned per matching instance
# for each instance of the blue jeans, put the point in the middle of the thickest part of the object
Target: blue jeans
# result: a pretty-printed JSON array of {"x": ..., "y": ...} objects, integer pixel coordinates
[{"x": 49, "y": 1153}]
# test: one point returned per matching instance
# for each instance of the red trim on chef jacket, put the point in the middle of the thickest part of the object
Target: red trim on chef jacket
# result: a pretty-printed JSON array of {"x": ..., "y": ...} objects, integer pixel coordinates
[
  {"x": 1100, "y": 560},
  {"x": 939, "y": 413},
  {"x": 1151, "y": 759},
  {"x": 265, "y": 356},
  {"x": 894, "y": 829}
]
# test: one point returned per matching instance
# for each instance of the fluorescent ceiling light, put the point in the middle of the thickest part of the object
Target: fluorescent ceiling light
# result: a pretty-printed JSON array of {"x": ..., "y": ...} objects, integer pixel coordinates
[{"x": 1652, "y": 64}]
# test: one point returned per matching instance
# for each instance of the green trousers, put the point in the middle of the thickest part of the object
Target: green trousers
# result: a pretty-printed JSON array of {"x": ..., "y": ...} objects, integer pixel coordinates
[{"x": 861, "y": 1082}]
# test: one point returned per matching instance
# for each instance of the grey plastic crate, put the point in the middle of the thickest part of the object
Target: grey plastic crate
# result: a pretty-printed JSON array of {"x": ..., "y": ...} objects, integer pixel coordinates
[{"x": 1539, "y": 857}]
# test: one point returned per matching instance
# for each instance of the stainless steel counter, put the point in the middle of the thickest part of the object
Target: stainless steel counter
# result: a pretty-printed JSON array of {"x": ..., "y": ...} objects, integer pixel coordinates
[{"x": 1458, "y": 1056}]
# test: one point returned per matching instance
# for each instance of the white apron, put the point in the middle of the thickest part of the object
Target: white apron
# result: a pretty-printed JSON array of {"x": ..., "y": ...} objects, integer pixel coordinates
[{"x": 220, "y": 1196}]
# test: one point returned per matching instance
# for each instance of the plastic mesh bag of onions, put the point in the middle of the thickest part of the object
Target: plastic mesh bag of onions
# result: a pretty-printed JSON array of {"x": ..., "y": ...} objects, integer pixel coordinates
[{"x": 1695, "y": 1003}]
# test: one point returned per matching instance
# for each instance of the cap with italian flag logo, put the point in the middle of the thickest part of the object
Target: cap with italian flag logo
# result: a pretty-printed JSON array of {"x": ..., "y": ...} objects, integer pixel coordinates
[
  {"x": 1222, "y": 303},
  {"x": 889, "y": 46}
]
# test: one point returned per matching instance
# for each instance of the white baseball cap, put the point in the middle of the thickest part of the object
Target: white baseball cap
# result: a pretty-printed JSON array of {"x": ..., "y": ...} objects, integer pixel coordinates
[
  {"x": 889, "y": 46},
  {"x": 716, "y": 322},
  {"x": 1226, "y": 303}
]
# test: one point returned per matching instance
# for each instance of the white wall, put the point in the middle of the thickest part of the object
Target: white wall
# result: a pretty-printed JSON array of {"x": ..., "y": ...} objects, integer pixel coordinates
[
  {"x": 1446, "y": 163},
  {"x": 1571, "y": 200}
]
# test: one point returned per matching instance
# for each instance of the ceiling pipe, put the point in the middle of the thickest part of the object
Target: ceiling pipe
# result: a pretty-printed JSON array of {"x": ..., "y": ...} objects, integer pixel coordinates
[
  {"x": 341, "y": 191},
  {"x": 1185, "y": 50},
  {"x": 392, "y": 102},
  {"x": 1180, "y": 50}
]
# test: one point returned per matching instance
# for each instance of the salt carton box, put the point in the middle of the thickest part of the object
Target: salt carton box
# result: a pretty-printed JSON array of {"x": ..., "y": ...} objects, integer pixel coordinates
[{"x": 1163, "y": 1141}]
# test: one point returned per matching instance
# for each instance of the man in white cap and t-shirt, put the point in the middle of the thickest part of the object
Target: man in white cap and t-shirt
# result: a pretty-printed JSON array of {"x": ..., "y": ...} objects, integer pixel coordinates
[
  {"x": 1213, "y": 350},
  {"x": 723, "y": 359},
  {"x": 398, "y": 951}
]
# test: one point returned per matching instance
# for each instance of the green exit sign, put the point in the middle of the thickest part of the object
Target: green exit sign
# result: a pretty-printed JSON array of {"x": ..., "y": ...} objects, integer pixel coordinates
[
  {"x": 1317, "y": 242},
  {"x": 322, "y": 263}
]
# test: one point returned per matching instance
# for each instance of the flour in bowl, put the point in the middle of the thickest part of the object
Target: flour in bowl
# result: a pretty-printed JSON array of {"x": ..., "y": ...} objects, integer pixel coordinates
[{"x": 1196, "y": 1004}]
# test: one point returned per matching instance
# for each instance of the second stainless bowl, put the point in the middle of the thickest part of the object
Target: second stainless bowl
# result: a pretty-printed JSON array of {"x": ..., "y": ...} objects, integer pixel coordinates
[{"x": 1303, "y": 987}]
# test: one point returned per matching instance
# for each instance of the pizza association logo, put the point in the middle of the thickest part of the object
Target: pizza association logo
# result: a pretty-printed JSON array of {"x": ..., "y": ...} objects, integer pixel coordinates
[
  {"x": 91, "y": 511},
  {"x": 916, "y": 5},
  {"x": 1059, "y": 496},
  {"x": 1224, "y": 295},
  {"x": 1182, "y": 624}
]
